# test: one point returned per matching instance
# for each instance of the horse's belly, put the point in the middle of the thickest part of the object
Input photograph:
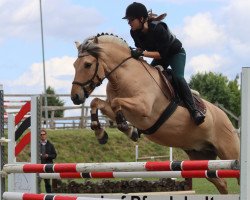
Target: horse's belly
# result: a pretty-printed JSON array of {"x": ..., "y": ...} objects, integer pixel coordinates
[{"x": 187, "y": 136}]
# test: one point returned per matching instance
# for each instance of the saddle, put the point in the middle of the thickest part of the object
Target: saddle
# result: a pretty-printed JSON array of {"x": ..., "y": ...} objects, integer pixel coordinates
[
  {"x": 168, "y": 79},
  {"x": 175, "y": 101}
]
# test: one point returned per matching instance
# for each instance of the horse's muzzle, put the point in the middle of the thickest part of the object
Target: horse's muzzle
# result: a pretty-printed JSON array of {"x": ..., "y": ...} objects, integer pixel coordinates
[{"x": 77, "y": 100}]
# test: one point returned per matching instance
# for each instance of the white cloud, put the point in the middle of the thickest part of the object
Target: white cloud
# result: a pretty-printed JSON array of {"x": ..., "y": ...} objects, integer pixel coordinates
[
  {"x": 61, "y": 19},
  {"x": 200, "y": 31},
  {"x": 217, "y": 40},
  {"x": 236, "y": 18},
  {"x": 206, "y": 63},
  {"x": 56, "y": 69},
  {"x": 236, "y": 14},
  {"x": 71, "y": 20},
  {"x": 59, "y": 75}
]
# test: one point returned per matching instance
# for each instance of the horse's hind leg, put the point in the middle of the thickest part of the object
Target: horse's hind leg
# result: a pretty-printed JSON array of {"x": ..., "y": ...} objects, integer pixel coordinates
[
  {"x": 229, "y": 148},
  {"x": 220, "y": 183}
]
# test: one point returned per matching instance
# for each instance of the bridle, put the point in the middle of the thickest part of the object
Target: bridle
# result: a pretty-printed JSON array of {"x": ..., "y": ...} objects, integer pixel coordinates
[{"x": 90, "y": 85}]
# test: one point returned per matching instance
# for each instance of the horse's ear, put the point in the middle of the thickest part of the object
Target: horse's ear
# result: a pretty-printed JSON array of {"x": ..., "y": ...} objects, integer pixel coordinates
[{"x": 78, "y": 44}]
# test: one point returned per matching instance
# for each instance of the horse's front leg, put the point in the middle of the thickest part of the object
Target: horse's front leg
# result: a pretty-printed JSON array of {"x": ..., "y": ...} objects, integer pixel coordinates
[
  {"x": 123, "y": 126},
  {"x": 134, "y": 104},
  {"x": 105, "y": 108},
  {"x": 100, "y": 133}
]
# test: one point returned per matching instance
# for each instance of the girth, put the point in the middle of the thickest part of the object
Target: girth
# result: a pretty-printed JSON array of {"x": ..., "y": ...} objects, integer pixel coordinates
[{"x": 164, "y": 117}]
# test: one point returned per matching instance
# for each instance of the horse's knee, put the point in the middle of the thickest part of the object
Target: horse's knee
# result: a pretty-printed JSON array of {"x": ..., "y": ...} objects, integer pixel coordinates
[{"x": 94, "y": 102}]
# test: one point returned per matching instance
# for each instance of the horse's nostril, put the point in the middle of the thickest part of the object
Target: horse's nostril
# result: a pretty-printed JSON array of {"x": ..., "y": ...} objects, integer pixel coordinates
[{"x": 76, "y": 99}]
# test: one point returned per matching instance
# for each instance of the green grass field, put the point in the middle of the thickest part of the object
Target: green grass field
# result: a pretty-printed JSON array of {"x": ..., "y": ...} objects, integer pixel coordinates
[{"x": 82, "y": 146}]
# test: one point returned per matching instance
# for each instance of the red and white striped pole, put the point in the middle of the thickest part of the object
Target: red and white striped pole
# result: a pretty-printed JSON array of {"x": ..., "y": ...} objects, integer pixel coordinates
[
  {"x": 30, "y": 196},
  {"x": 155, "y": 174},
  {"x": 123, "y": 166}
]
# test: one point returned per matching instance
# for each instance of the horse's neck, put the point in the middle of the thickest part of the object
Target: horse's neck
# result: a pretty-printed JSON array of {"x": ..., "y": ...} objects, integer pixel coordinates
[
  {"x": 130, "y": 74},
  {"x": 134, "y": 76}
]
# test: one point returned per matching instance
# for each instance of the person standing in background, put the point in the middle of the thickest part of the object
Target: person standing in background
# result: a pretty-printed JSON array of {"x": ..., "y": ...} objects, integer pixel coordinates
[{"x": 47, "y": 155}]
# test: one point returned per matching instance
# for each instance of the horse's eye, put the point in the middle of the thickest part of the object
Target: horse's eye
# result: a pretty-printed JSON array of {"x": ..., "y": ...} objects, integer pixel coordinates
[{"x": 87, "y": 65}]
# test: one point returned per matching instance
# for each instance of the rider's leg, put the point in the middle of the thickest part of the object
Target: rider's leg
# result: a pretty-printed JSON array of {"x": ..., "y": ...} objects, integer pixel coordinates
[
  {"x": 177, "y": 63},
  {"x": 187, "y": 97}
]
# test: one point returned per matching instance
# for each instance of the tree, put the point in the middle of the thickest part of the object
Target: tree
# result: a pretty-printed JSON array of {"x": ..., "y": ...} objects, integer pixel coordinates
[
  {"x": 53, "y": 101},
  {"x": 217, "y": 88}
]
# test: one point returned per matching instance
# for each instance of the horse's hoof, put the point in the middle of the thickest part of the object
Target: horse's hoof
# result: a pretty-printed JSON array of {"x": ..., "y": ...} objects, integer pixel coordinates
[
  {"x": 134, "y": 136},
  {"x": 104, "y": 139}
]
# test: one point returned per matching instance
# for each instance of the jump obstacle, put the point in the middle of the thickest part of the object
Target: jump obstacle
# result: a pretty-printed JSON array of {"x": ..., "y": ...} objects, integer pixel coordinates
[
  {"x": 20, "y": 128},
  {"x": 29, "y": 196},
  {"x": 245, "y": 166},
  {"x": 123, "y": 166},
  {"x": 154, "y": 174}
]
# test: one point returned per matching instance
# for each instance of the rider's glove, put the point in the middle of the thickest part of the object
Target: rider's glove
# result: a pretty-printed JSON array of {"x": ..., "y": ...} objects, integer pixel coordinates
[{"x": 136, "y": 53}]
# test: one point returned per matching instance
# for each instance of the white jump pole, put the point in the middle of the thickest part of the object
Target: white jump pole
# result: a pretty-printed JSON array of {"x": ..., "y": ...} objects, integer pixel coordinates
[
  {"x": 122, "y": 166},
  {"x": 245, "y": 135},
  {"x": 154, "y": 174},
  {"x": 30, "y": 196}
]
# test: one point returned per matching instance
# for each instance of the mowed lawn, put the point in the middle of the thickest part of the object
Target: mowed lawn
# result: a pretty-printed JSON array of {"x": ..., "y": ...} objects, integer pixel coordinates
[{"x": 202, "y": 186}]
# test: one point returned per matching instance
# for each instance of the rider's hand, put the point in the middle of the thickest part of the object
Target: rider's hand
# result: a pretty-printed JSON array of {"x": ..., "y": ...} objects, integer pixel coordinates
[{"x": 136, "y": 53}]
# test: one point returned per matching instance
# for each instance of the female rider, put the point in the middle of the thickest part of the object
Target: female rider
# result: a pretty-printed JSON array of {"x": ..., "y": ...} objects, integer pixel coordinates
[{"x": 153, "y": 39}]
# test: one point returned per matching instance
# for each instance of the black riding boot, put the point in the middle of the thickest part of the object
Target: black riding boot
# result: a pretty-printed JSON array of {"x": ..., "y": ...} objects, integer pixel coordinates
[{"x": 187, "y": 97}]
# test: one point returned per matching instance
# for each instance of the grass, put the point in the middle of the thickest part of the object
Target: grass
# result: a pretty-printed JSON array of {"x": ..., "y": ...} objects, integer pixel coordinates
[
  {"x": 80, "y": 145},
  {"x": 202, "y": 186}
]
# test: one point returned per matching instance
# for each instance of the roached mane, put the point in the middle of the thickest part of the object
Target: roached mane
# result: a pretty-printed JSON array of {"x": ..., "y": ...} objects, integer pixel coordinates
[{"x": 93, "y": 49}]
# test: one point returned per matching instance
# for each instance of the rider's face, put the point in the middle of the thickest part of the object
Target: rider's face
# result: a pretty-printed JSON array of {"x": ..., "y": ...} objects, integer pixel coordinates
[{"x": 135, "y": 23}]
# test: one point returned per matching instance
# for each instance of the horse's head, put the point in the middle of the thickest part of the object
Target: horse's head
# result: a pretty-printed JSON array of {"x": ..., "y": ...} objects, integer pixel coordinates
[
  {"x": 86, "y": 70},
  {"x": 90, "y": 70}
]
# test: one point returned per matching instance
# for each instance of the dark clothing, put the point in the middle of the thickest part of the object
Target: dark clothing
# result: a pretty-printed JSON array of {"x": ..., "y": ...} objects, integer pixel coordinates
[
  {"x": 159, "y": 38},
  {"x": 49, "y": 149},
  {"x": 47, "y": 185},
  {"x": 177, "y": 63}
]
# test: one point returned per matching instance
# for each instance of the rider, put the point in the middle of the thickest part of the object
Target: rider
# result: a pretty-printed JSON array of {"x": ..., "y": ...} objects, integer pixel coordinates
[{"x": 153, "y": 39}]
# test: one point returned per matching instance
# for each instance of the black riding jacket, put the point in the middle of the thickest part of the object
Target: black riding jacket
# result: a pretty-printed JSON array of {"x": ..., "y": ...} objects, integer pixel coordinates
[
  {"x": 157, "y": 38},
  {"x": 50, "y": 150}
]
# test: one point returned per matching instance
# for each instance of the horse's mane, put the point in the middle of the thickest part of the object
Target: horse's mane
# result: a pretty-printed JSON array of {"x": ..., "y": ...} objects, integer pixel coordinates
[
  {"x": 105, "y": 37},
  {"x": 89, "y": 45}
]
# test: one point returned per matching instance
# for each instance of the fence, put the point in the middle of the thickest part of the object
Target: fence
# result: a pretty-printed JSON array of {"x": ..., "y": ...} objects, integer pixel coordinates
[{"x": 74, "y": 116}]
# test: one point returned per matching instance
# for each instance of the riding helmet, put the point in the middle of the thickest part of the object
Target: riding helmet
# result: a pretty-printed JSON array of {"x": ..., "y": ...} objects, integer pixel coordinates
[{"x": 136, "y": 10}]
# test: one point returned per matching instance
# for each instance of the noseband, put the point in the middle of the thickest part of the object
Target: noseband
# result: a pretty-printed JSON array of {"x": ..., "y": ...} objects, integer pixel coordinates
[{"x": 90, "y": 85}]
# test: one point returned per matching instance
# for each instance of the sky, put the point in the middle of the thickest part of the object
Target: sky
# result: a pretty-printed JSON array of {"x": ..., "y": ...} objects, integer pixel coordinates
[{"x": 215, "y": 34}]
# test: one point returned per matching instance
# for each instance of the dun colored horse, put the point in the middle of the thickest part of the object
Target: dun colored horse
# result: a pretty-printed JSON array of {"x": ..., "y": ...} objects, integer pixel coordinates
[{"x": 137, "y": 93}]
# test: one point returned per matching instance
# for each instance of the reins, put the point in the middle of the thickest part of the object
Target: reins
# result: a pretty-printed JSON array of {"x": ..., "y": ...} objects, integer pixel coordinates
[
  {"x": 163, "y": 91},
  {"x": 117, "y": 66},
  {"x": 91, "y": 83}
]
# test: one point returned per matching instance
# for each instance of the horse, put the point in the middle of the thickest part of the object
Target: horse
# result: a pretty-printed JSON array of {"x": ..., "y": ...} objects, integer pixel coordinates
[{"x": 136, "y": 93}]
